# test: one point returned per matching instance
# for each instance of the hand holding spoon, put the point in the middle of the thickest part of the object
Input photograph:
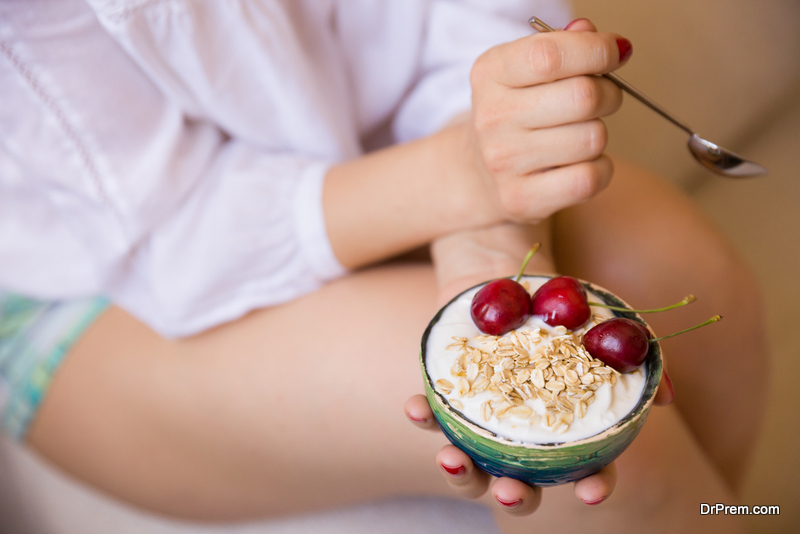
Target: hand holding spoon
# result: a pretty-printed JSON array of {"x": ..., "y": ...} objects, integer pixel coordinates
[{"x": 713, "y": 157}]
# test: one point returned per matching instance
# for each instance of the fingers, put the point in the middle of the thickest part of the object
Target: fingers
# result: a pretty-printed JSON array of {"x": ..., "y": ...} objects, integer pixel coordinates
[
  {"x": 540, "y": 195},
  {"x": 467, "y": 480},
  {"x": 419, "y": 412},
  {"x": 596, "y": 488},
  {"x": 514, "y": 156},
  {"x": 546, "y": 57},
  {"x": 576, "y": 99},
  {"x": 461, "y": 474},
  {"x": 536, "y": 127},
  {"x": 571, "y": 100},
  {"x": 515, "y": 497}
]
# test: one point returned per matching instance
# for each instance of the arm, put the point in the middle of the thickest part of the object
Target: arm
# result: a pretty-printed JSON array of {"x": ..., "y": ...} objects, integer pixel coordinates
[
  {"x": 230, "y": 428},
  {"x": 478, "y": 173},
  {"x": 189, "y": 216}
]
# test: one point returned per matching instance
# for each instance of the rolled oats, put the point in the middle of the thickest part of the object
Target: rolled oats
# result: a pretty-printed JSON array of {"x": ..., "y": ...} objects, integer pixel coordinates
[{"x": 559, "y": 372}]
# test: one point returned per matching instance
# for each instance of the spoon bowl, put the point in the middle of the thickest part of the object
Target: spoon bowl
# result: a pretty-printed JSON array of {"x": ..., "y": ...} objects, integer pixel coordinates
[
  {"x": 713, "y": 157},
  {"x": 721, "y": 161}
]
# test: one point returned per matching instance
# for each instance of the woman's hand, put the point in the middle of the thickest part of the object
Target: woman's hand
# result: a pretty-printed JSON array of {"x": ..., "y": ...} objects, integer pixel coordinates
[
  {"x": 535, "y": 127},
  {"x": 532, "y": 145},
  {"x": 462, "y": 260}
]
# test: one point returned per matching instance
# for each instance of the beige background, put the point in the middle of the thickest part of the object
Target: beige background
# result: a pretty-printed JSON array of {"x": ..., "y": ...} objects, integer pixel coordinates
[{"x": 731, "y": 69}]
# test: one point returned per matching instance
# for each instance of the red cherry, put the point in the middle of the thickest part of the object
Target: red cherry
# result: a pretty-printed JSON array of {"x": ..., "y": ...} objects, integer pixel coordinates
[
  {"x": 500, "y": 306},
  {"x": 619, "y": 343},
  {"x": 644, "y": 329},
  {"x": 561, "y": 301}
]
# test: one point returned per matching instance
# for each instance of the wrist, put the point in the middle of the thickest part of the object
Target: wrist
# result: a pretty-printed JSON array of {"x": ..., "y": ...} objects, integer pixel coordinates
[
  {"x": 470, "y": 203},
  {"x": 396, "y": 199}
]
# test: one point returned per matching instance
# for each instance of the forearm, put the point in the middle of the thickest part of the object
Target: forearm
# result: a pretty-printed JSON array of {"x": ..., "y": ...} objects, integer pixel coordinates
[
  {"x": 401, "y": 197},
  {"x": 534, "y": 145}
]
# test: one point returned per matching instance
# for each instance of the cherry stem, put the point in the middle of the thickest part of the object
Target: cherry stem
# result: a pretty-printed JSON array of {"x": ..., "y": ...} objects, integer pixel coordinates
[
  {"x": 684, "y": 302},
  {"x": 534, "y": 249},
  {"x": 714, "y": 319}
]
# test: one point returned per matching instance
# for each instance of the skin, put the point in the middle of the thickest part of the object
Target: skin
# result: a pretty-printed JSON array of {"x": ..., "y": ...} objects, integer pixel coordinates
[
  {"x": 674, "y": 235},
  {"x": 532, "y": 145},
  {"x": 212, "y": 427},
  {"x": 673, "y": 256}
]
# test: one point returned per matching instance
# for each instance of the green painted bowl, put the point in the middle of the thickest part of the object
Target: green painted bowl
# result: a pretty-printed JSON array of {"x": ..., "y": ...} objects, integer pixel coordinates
[{"x": 544, "y": 464}]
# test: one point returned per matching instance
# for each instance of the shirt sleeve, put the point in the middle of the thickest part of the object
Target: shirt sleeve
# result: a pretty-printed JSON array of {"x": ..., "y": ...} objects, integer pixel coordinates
[
  {"x": 457, "y": 33},
  {"x": 410, "y": 60},
  {"x": 142, "y": 125},
  {"x": 188, "y": 219},
  {"x": 250, "y": 235}
]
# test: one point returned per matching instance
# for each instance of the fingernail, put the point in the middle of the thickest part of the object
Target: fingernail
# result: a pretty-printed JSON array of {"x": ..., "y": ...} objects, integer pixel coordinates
[
  {"x": 455, "y": 471},
  {"x": 598, "y": 501},
  {"x": 667, "y": 381},
  {"x": 509, "y": 504},
  {"x": 568, "y": 26},
  {"x": 423, "y": 420},
  {"x": 625, "y": 49}
]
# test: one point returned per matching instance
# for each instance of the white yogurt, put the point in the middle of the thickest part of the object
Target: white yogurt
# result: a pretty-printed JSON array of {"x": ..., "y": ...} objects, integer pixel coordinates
[{"x": 610, "y": 405}]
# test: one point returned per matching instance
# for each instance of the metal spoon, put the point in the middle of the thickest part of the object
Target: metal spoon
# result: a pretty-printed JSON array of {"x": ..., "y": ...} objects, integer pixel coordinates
[{"x": 713, "y": 157}]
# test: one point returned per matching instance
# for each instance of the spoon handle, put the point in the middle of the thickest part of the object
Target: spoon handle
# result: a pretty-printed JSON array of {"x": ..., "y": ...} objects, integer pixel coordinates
[{"x": 625, "y": 86}]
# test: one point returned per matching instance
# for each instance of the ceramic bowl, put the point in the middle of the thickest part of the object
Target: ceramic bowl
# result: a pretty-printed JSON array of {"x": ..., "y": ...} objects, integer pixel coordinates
[{"x": 544, "y": 464}]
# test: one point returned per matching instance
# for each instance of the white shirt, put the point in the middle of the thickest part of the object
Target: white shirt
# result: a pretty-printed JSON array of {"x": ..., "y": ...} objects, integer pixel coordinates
[{"x": 170, "y": 154}]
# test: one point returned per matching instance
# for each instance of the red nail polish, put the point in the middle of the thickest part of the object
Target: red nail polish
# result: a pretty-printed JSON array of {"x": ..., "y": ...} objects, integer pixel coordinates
[
  {"x": 423, "y": 420},
  {"x": 568, "y": 26},
  {"x": 598, "y": 501},
  {"x": 625, "y": 49},
  {"x": 455, "y": 471},
  {"x": 667, "y": 381},
  {"x": 509, "y": 504}
]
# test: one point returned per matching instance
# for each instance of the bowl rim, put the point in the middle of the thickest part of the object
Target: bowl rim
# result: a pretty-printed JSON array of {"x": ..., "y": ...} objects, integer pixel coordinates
[{"x": 654, "y": 364}]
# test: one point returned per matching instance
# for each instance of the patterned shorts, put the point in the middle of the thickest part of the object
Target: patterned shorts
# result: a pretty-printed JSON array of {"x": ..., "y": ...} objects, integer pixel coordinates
[{"x": 34, "y": 337}]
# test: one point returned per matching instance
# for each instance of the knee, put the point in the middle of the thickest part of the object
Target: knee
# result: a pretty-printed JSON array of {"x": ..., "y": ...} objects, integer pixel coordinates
[{"x": 731, "y": 286}]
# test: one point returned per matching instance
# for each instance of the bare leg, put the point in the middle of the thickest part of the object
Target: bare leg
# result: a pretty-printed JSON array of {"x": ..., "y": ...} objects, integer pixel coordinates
[
  {"x": 289, "y": 409},
  {"x": 643, "y": 239},
  {"x": 648, "y": 492},
  {"x": 280, "y": 414},
  {"x": 299, "y": 407}
]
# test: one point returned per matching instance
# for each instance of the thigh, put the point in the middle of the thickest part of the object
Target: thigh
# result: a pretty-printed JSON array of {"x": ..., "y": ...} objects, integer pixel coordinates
[
  {"x": 291, "y": 408},
  {"x": 648, "y": 242}
]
